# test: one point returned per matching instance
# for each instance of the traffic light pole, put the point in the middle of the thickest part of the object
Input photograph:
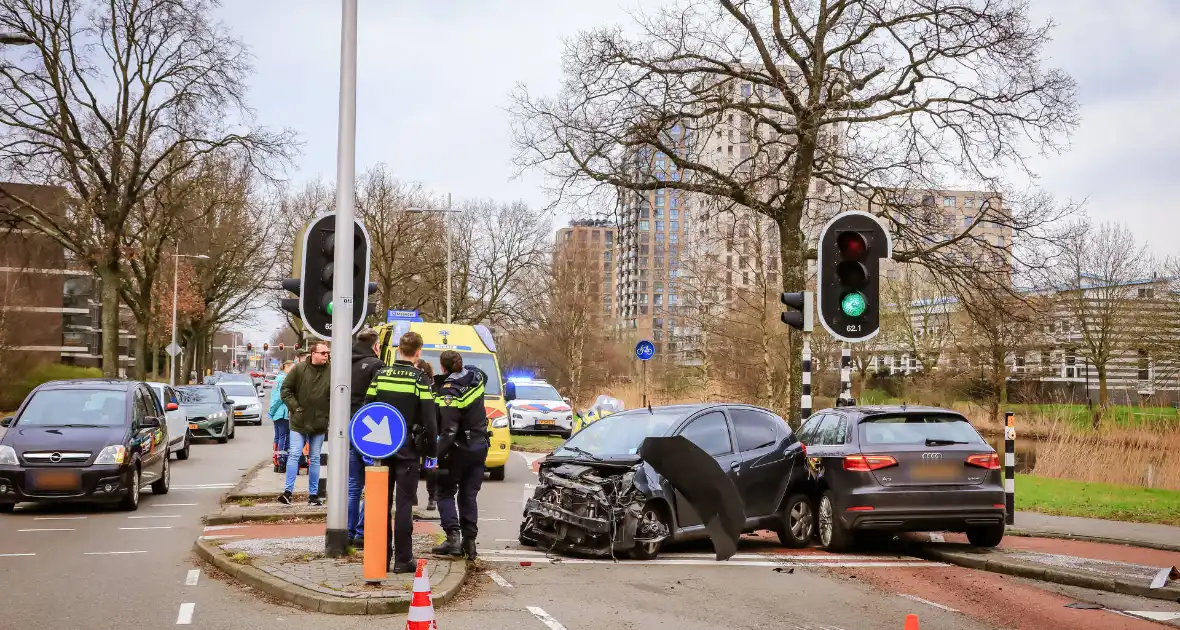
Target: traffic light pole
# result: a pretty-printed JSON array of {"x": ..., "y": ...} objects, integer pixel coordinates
[
  {"x": 336, "y": 537},
  {"x": 805, "y": 397},
  {"x": 845, "y": 375}
]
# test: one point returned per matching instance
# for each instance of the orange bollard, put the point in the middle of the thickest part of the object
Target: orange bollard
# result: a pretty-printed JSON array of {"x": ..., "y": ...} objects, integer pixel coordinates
[
  {"x": 911, "y": 621},
  {"x": 376, "y": 522}
]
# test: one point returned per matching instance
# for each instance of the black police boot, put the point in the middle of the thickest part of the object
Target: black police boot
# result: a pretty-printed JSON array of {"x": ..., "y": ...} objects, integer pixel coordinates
[
  {"x": 408, "y": 567},
  {"x": 449, "y": 548},
  {"x": 431, "y": 505},
  {"x": 468, "y": 548}
]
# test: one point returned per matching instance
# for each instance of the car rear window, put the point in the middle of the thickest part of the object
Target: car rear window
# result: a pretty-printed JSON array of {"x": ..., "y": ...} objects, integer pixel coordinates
[
  {"x": 916, "y": 429},
  {"x": 65, "y": 407},
  {"x": 238, "y": 389}
]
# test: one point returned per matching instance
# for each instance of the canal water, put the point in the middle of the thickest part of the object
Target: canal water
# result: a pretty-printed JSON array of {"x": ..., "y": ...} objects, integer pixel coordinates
[{"x": 1026, "y": 451}]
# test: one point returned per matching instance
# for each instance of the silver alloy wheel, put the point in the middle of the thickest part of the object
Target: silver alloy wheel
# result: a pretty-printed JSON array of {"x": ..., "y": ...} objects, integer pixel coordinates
[
  {"x": 167, "y": 473},
  {"x": 800, "y": 520},
  {"x": 135, "y": 487},
  {"x": 825, "y": 521},
  {"x": 654, "y": 515}
]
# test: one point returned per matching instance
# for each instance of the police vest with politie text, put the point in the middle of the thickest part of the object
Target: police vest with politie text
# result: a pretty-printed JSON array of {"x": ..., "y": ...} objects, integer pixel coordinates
[
  {"x": 463, "y": 419},
  {"x": 407, "y": 389}
]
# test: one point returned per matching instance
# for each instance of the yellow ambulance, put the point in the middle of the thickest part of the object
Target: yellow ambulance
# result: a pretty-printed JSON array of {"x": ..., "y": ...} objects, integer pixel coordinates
[{"x": 477, "y": 347}]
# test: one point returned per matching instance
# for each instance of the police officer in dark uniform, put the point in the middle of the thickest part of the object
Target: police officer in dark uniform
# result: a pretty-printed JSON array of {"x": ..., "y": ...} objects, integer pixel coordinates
[
  {"x": 406, "y": 388},
  {"x": 463, "y": 447}
]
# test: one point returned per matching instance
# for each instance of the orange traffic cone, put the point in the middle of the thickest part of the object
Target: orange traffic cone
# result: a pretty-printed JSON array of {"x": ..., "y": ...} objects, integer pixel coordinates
[
  {"x": 911, "y": 622},
  {"x": 421, "y": 615}
]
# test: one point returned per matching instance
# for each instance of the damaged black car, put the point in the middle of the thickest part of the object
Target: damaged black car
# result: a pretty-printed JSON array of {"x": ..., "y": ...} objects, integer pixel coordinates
[{"x": 637, "y": 480}]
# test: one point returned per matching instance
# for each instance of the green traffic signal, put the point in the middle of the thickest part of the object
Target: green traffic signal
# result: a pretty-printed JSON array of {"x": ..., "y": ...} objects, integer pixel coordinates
[
  {"x": 853, "y": 304},
  {"x": 329, "y": 309}
]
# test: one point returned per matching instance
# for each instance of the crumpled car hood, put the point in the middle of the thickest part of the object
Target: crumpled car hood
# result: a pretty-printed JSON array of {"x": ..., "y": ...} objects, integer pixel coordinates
[{"x": 704, "y": 484}]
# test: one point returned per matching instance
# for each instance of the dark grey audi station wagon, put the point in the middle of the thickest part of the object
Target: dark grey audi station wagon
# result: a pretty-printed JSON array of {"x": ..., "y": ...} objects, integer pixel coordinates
[{"x": 901, "y": 469}]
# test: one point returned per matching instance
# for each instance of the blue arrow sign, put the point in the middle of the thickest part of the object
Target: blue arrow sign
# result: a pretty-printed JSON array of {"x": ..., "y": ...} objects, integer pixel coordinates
[
  {"x": 377, "y": 430},
  {"x": 645, "y": 350}
]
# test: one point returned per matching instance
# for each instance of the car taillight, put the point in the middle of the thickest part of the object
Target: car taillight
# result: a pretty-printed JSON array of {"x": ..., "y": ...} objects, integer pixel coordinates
[
  {"x": 804, "y": 446},
  {"x": 865, "y": 463},
  {"x": 990, "y": 461}
]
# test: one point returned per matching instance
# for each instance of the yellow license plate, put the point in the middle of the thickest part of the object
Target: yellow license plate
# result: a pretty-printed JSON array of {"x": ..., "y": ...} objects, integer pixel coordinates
[
  {"x": 546, "y": 422},
  {"x": 237, "y": 413},
  {"x": 56, "y": 480},
  {"x": 193, "y": 425},
  {"x": 936, "y": 472}
]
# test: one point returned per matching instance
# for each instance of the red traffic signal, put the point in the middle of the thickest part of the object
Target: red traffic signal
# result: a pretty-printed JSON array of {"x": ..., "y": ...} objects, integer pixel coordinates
[
  {"x": 265, "y": 347},
  {"x": 282, "y": 346},
  {"x": 297, "y": 346},
  {"x": 852, "y": 245},
  {"x": 249, "y": 347}
]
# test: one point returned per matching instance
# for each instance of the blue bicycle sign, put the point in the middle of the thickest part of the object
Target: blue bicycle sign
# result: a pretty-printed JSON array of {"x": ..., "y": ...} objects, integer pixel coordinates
[{"x": 645, "y": 350}]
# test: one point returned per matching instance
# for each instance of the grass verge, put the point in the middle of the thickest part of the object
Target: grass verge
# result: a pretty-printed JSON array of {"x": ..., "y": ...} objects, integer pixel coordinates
[
  {"x": 536, "y": 443},
  {"x": 1065, "y": 497}
]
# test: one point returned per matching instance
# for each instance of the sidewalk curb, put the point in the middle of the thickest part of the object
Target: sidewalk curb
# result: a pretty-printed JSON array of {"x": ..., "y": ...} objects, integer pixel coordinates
[
  {"x": 232, "y": 517},
  {"x": 1036, "y": 533},
  {"x": 319, "y": 602},
  {"x": 245, "y": 480},
  {"x": 984, "y": 561}
]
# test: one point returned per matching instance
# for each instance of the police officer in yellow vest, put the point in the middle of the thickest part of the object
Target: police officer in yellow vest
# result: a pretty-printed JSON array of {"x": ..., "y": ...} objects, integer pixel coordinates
[{"x": 462, "y": 450}]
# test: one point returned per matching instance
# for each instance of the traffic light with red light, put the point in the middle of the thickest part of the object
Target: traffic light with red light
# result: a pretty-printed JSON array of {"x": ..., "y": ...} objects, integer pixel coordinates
[
  {"x": 282, "y": 347},
  {"x": 266, "y": 347},
  {"x": 249, "y": 347},
  {"x": 848, "y": 286}
]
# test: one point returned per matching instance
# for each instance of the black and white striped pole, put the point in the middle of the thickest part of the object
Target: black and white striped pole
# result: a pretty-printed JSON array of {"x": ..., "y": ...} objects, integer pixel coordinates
[
  {"x": 845, "y": 375},
  {"x": 1009, "y": 467},
  {"x": 803, "y": 319}
]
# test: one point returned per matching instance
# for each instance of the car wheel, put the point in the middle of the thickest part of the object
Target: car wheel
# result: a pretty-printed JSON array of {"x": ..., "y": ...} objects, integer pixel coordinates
[
  {"x": 231, "y": 430},
  {"x": 526, "y": 538},
  {"x": 566, "y": 435},
  {"x": 7, "y": 508},
  {"x": 130, "y": 502},
  {"x": 798, "y": 522},
  {"x": 497, "y": 473},
  {"x": 833, "y": 536},
  {"x": 183, "y": 453},
  {"x": 160, "y": 486},
  {"x": 649, "y": 551},
  {"x": 225, "y": 437},
  {"x": 986, "y": 536}
]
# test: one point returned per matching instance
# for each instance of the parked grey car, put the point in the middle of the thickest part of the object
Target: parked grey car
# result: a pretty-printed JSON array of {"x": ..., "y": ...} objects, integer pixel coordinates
[{"x": 901, "y": 469}]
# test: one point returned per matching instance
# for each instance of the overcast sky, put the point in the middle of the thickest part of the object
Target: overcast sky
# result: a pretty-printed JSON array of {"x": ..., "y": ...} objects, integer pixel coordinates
[{"x": 433, "y": 79}]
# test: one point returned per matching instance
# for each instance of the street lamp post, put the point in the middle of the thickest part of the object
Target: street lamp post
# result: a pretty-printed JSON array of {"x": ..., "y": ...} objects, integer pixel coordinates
[
  {"x": 175, "y": 294},
  {"x": 447, "y": 229}
]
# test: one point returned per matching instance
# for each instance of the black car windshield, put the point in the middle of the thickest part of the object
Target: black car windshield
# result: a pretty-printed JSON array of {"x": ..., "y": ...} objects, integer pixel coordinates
[
  {"x": 917, "y": 429},
  {"x": 485, "y": 362},
  {"x": 620, "y": 433},
  {"x": 238, "y": 389},
  {"x": 537, "y": 392},
  {"x": 63, "y": 407},
  {"x": 199, "y": 396}
]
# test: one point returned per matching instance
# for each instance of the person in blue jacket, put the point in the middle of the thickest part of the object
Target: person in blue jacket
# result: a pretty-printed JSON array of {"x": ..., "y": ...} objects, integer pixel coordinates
[{"x": 281, "y": 418}]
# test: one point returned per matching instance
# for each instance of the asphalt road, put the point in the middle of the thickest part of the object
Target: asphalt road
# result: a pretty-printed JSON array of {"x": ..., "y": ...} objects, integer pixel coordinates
[{"x": 100, "y": 568}]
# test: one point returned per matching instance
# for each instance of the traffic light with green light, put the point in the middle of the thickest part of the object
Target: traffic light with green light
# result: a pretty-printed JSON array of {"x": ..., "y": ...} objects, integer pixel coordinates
[
  {"x": 313, "y": 287},
  {"x": 848, "y": 288}
]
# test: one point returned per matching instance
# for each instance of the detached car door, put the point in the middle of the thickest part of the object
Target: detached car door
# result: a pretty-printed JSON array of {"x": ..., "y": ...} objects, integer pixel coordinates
[{"x": 710, "y": 431}]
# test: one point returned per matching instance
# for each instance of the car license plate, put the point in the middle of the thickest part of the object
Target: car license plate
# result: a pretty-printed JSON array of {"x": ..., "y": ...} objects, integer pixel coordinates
[
  {"x": 194, "y": 426},
  {"x": 546, "y": 422},
  {"x": 237, "y": 413},
  {"x": 56, "y": 480},
  {"x": 936, "y": 472}
]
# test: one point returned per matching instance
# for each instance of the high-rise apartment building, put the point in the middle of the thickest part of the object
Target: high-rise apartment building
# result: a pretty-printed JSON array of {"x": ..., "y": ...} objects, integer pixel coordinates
[{"x": 591, "y": 243}]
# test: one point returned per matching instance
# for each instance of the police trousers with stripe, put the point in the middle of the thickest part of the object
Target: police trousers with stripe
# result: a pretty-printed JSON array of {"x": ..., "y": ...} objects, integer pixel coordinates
[{"x": 463, "y": 478}]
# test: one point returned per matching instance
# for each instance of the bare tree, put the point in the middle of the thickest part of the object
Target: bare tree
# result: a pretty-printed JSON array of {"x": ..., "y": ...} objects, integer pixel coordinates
[
  {"x": 875, "y": 97},
  {"x": 917, "y": 321},
  {"x": 112, "y": 101},
  {"x": 1100, "y": 279}
]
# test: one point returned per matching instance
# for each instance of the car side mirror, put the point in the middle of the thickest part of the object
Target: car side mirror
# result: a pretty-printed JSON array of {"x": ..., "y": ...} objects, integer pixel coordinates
[
  {"x": 171, "y": 407},
  {"x": 6, "y": 422},
  {"x": 150, "y": 422}
]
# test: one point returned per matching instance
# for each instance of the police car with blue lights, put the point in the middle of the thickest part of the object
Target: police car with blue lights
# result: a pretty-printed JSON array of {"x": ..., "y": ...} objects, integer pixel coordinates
[{"x": 534, "y": 406}]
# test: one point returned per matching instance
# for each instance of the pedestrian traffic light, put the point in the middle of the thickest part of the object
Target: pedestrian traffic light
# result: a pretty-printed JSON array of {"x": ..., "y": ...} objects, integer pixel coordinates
[
  {"x": 848, "y": 288},
  {"x": 802, "y": 317},
  {"x": 317, "y": 275}
]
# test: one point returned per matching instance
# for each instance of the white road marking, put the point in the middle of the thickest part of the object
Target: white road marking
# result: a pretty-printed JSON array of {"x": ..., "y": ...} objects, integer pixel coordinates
[
  {"x": 185, "y": 616},
  {"x": 217, "y": 528},
  {"x": 110, "y": 553},
  {"x": 173, "y": 504},
  {"x": 927, "y": 602},
  {"x": 507, "y": 539},
  {"x": 499, "y": 579},
  {"x": 545, "y": 618},
  {"x": 157, "y": 516},
  {"x": 59, "y": 518},
  {"x": 192, "y": 577},
  {"x": 145, "y": 528},
  {"x": 222, "y": 536},
  {"x": 482, "y": 519},
  {"x": 15, "y": 555},
  {"x": 47, "y": 529},
  {"x": 1155, "y": 615}
]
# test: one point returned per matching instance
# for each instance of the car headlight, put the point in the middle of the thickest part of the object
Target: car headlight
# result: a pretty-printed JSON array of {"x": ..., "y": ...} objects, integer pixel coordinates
[
  {"x": 499, "y": 423},
  {"x": 8, "y": 456},
  {"x": 113, "y": 454}
]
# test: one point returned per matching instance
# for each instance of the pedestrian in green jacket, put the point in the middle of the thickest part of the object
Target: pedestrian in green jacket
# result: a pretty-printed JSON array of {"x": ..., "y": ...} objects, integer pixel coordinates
[{"x": 307, "y": 391}]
